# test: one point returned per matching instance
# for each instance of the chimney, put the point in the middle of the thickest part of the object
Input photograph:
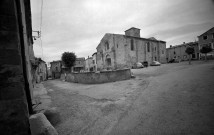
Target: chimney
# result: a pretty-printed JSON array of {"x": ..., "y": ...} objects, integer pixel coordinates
[
  {"x": 133, "y": 32},
  {"x": 183, "y": 42},
  {"x": 170, "y": 46}
]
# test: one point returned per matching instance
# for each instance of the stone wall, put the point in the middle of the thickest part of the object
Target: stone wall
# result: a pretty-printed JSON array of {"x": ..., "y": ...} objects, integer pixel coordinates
[
  {"x": 13, "y": 102},
  {"x": 96, "y": 78},
  {"x": 135, "y": 32},
  {"x": 123, "y": 56}
]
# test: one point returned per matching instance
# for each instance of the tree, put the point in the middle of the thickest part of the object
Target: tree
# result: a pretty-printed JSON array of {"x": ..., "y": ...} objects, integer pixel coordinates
[
  {"x": 68, "y": 58},
  {"x": 206, "y": 49},
  {"x": 190, "y": 50}
]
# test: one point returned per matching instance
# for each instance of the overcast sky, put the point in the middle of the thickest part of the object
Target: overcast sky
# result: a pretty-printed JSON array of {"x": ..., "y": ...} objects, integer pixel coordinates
[{"x": 79, "y": 25}]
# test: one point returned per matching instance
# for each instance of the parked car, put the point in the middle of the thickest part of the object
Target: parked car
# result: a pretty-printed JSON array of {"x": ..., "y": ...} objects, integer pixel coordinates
[
  {"x": 173, "y": 61},
  {"x": 155, "y": 63},
  {"x": 138, "y": 65},
  {"x": 145, "y": 63}
]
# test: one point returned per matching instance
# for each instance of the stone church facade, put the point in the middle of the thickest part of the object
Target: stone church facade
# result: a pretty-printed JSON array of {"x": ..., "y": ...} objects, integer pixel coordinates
[{"x": 117, "y": 51}]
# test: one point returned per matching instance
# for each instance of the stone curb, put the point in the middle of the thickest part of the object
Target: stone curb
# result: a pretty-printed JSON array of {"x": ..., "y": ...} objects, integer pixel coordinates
[{"x": 40, "y": 125}]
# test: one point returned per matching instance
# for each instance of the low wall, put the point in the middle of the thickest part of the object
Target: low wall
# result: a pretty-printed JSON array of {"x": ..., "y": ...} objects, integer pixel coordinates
[{"x": 95, "y": 78}]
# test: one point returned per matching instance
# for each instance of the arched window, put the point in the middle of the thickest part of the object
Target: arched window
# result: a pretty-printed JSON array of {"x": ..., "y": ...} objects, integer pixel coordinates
[
  {"x": 148, "y": 47},
  {"x": 108, "y": 60},
  {"x": 132, "y": 45},
  {"x": 107, "y": 45}
]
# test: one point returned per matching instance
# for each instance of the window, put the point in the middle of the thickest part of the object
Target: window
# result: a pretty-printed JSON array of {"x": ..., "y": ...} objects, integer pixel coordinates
[
  {"x": 162, "y": 51},
  {"x": 213, "y": 35},
  {"x": 108, "y": 60},
  {"x": 174, "y": 52},
  {"x": 205, "y": 37},
  {"x": 155, "y": 49},
  {"x": 107, "y": 45},
  {"x": 148, "y": 47},
  {"x": 132, "y": 45}
]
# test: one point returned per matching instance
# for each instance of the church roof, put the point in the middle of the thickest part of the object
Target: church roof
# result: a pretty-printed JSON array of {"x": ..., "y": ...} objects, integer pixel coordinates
[{"x": 132, "y": 28}]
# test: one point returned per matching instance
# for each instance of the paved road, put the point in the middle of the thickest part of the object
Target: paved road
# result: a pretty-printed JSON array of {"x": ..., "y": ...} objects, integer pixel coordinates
[{"x": 170, "y": 99}]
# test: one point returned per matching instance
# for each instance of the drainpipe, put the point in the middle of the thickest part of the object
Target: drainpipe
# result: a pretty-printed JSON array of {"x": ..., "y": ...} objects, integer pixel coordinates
[
  {"x": 114, "y": 52},
  {"x": 27, "y": 88}
]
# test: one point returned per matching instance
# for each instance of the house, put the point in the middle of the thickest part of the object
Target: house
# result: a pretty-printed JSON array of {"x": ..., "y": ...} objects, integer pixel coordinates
[
  {"x": 94, "y": 61},
  {"x": 178, "y": 52},
  {"x": 117, "y": 51},
  {"x": 41, "y": 70},
  {"x": 79, "y": 65},
  {"x": 56, "y": 67},
  {"x": 89, "y": 64},
  {"x": 204, "y": 39}
]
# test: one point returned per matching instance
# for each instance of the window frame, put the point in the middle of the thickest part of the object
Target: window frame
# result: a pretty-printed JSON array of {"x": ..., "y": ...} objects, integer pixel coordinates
[
  {"x": 106, "y": 45},
  {"x": 132, "y": 45},
  {"x": 204, "y": 37},
  {"x": 148, "y": 46}
]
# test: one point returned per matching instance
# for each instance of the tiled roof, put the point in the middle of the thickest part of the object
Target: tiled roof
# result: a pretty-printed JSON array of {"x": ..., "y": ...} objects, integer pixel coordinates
[
  {"x": 186, "y": 44},
  {"x": 132, "y": 28},
  {"x": 207, "y": 31}
]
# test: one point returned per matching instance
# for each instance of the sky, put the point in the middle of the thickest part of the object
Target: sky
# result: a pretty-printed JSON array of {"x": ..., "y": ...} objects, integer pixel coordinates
[{"x": 79, "y": 25}]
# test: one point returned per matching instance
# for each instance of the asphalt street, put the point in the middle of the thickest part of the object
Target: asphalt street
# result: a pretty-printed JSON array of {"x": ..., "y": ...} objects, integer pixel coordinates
[{"x": 172, "y": 99}]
